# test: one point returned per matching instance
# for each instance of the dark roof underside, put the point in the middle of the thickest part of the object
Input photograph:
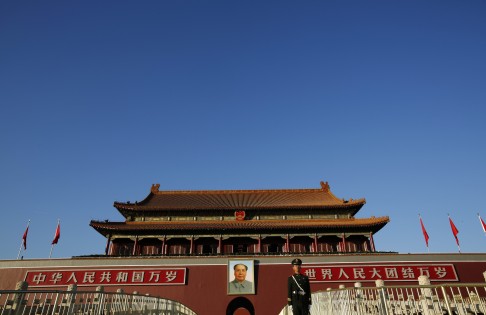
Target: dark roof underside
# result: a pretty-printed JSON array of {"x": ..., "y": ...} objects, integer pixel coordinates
[{"x": 246, "y": 226}]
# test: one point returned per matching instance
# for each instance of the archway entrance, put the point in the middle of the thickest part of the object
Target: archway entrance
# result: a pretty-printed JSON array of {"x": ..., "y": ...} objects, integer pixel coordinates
[{"x": 240, "y": 306}]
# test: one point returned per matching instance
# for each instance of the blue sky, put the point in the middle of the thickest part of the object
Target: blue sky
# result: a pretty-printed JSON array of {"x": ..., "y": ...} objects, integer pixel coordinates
[{"x": 385, "y": 100}]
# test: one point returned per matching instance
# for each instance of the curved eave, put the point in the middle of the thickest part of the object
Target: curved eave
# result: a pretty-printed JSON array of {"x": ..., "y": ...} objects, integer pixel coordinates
[{"x": 223, "y": 227}]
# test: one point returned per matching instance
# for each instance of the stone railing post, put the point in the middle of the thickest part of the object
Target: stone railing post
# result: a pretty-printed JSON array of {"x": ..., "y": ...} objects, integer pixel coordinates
[
  {"x": 18, "y": 300},
  {"x": 134, "y": 301},
  {"x": 358, "y": 297},
  {"x": 71, "y": 298},
  {"x": 357, "y": 287},
  {"x": 426, "y": 296},
  {"x": 344, "y": 298},
  {"x": 98, "y": 299},
  {"x": 146, "y": 303},
  {"x": 383, "y": 297},
  {"x": 121, "y": 300},
  {"x": 425, "y": 281},
  {"x": 329, "y": 295}
]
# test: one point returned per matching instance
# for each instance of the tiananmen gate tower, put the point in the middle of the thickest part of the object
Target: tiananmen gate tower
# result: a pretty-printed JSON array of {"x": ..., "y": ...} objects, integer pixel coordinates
[
  {"x": 184, "y": 245},
  {"x": 240, "y": 222}
]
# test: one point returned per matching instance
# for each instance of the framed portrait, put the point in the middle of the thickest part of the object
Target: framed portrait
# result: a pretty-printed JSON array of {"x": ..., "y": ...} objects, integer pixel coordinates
[{"x": 241, "y": 276}]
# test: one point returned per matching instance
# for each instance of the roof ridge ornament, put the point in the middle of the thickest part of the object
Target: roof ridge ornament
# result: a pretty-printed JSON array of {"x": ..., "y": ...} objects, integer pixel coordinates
[
  {"x": 155, "y": 188},
  {"x": 325, "y": 186}
]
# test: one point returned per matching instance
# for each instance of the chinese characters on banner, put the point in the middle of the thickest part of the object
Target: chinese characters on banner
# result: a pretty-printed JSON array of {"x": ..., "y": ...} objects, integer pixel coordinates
[
  {"x": 177, "y": 276},
  {"x": 441, "y": 272},
  {"x": 92, "y": 277}
]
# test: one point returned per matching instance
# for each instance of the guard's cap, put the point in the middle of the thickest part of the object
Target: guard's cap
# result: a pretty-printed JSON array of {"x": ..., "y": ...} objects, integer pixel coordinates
[{"x": 297, "y": 261}]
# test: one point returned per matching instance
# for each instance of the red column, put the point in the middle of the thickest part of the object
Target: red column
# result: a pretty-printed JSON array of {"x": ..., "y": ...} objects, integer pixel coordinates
[
  {"x": 163, "y": 246},
  {"x": 372, "y": 243},
  {"x": 315, "y": 243},
  {"x": 135, "y": 245},
  {"x": 288, "y": 244},
  {"x": 344, "y": 244},
  {"x": 191, "y": 250},
  {"x": 107, "y": 245},
  {"x": 259, "y": 243},
  {"x": 113, "y": 249},
  {"x": 220, "y": 244}
]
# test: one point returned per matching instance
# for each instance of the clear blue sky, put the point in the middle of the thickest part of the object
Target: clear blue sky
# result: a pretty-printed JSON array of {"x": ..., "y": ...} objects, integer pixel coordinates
[{"x": 385, "y": 100}]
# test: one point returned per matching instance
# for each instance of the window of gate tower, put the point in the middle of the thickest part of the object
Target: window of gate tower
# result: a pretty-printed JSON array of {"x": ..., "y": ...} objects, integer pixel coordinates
[{"x": 241, "y": 248}]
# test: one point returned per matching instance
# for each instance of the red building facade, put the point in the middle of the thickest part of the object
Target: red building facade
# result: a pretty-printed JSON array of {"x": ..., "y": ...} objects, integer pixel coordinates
[{"x": 201, "y": 283}]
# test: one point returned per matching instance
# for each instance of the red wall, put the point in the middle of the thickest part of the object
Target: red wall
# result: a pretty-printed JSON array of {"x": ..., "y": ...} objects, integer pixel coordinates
[{"x": 205, "y": 291}]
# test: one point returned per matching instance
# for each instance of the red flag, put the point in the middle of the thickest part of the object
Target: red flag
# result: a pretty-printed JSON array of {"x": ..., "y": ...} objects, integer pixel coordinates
[
  {"x": 455, "y": 231},
  {"x": 24, "y": 238},
  {"x": 57, "y": 235},
  {"x": 424, "y": 231},
  {"x": 482, "y": 223}
]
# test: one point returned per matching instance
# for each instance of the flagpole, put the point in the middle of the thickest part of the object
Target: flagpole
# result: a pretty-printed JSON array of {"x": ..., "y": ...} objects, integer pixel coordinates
[
  {"x": 20, "y": 249},
  {"x": 22, "y": 242},
  {"x": 50, "y": 254}
]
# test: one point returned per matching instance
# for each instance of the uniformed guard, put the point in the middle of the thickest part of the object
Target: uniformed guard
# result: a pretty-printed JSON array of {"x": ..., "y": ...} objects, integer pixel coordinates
[{"x": 299, "y": 295}]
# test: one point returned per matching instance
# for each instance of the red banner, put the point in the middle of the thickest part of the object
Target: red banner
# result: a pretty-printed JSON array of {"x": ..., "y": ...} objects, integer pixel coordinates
[
  {"x": 96, "y": 277},
  {"x": 363, "y": 273}
]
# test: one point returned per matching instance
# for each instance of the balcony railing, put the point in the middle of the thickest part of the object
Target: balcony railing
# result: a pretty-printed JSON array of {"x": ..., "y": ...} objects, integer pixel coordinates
[
  {"x": 277, "y": 254},
  {"x": 49, "y": 302},
  {"x": 459, "y": 299}
]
